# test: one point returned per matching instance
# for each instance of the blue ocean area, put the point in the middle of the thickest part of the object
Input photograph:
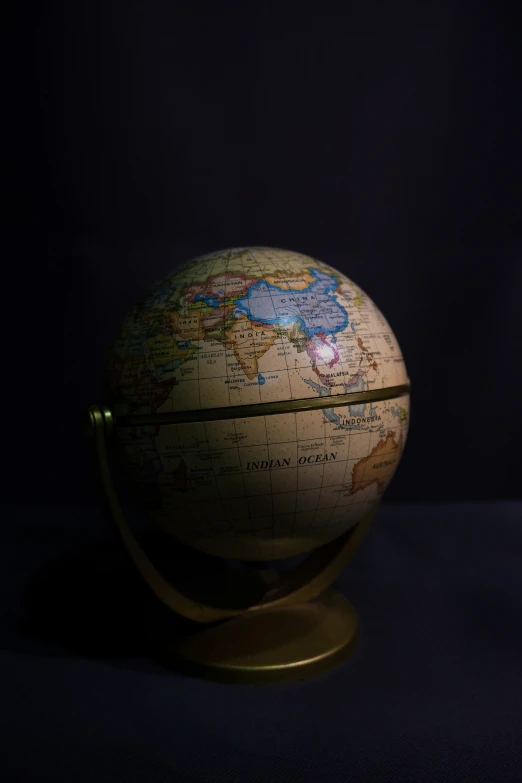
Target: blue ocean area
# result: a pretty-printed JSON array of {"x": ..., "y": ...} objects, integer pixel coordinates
[
  {"x": 330, "y": 413},
  {"x": 166, "y": 368},
  {"x": 332, "y": 416},
  {"x": 358, "y": 386},
  {"x": 397, "y": 411},
  {"x": 322, "y": 391},
  {"x": 209, "y": 299},
  {"x": 315, "y": 307}
]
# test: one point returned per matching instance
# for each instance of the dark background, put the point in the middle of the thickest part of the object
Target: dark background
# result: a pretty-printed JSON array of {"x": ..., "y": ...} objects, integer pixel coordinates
[{"x": 383, "y": 138}]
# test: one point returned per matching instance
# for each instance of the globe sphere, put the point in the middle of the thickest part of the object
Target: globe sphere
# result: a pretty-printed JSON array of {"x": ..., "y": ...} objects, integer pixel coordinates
[{"x": 261, "y": 403}]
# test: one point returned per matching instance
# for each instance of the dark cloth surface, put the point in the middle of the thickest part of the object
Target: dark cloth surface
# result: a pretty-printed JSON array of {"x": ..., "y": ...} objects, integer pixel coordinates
[{"x": 432, "y": 693}]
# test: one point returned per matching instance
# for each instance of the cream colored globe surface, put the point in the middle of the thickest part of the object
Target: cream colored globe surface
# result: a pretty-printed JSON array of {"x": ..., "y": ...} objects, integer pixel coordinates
[{"x": 247, "y": 332}]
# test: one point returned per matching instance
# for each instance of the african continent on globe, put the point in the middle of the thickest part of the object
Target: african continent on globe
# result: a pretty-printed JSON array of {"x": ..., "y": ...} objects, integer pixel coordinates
[{"x": 237, "y": 329}]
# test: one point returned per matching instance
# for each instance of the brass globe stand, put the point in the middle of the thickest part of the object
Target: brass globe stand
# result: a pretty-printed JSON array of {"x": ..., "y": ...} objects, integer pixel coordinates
[{"x": 296, "y": 627}]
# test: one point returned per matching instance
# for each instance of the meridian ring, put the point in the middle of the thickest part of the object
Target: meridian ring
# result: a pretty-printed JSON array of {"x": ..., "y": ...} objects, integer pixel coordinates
[{"x": 262, "y": 409}]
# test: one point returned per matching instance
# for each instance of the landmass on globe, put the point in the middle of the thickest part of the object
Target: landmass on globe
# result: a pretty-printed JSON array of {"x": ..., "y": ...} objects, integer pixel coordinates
[
  {"x": 251, "y": 326},
  {"x": 248, "y": 326}
]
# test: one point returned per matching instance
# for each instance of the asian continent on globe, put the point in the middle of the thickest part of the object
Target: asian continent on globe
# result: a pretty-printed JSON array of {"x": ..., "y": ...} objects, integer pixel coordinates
[{"x": 241, "y": 327}]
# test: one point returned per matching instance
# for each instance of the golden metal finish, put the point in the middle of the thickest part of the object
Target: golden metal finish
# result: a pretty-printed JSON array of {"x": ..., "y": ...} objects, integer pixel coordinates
[
  {"x": 284, "y": 644},
  {"x": 305, "y": 583},
  {"x": 298, "y": 627},
  {"x": 263, "y": 408}
]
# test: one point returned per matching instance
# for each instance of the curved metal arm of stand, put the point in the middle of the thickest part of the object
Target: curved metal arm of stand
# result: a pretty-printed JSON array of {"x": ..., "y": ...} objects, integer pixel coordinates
[
  {"x": 323, "y": 566},
  {"x": 305, "y": 583}
]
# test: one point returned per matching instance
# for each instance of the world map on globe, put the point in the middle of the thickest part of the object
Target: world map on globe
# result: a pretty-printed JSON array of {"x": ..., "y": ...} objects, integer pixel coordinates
[{"x": 253, "y": 326}]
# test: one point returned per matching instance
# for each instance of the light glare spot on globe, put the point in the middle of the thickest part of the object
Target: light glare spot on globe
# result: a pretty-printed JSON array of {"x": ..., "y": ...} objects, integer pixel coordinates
[
  {"x": 275, "y": 329},
  {"x": 325, "y": 353}
]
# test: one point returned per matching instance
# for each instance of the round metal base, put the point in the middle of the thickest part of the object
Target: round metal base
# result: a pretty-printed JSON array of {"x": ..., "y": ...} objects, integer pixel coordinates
[{"x": 276, "y": 645}]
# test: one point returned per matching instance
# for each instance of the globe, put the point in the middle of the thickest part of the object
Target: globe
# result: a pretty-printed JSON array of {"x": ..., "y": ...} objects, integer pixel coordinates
[{"x": 262, "y": 401}]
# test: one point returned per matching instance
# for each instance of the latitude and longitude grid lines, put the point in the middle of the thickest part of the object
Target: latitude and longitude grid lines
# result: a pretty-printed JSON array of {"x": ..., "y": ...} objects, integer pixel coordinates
[
  {"x": 369, "y": 337},
  {"x": 291, "y": 272},
  {"x": 233, "y": 528},
  {"x": 284, "y": 268},
  {"x": 232, "y": 524},
  {"x": 253, "y": 258},
  {"x": 211, "y": 273},
  {"x": 323, "y": 465},
  {"x": 294, "y": 511},
  {"x": 206, "y": 270}
]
